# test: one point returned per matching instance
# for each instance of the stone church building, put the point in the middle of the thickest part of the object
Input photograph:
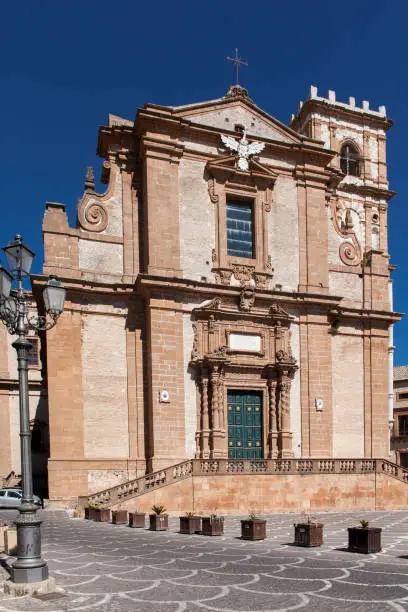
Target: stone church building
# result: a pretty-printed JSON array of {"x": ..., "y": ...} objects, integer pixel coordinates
[{"x": 228, "y": 295}]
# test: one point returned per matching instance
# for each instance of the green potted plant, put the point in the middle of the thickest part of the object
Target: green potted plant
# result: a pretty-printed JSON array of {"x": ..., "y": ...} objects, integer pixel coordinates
[
  {"x": 119, "y": 517},
  {"x": 253, "y": 527},
  {"x": 213, "y": 525},
  {"x": 308, "y": 532},
  {"x": 190, "y": 523},
  {"x": 364, "y": 539},
  {"x": 137, "y": 519},
  {"x": 158, "y": 520}
]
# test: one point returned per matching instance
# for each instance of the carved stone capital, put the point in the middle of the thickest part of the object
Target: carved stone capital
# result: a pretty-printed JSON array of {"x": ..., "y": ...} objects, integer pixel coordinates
[
  {"x": 222, "y": 276},
  {"x": 243, "y": 273}
]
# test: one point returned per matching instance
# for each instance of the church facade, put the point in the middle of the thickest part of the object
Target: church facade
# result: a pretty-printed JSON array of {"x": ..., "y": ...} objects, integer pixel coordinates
[{"x": 228, "y": 295}]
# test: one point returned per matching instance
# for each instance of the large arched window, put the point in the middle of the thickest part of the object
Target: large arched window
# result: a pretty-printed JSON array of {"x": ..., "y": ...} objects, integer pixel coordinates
[{"x": 350, "y": 159}]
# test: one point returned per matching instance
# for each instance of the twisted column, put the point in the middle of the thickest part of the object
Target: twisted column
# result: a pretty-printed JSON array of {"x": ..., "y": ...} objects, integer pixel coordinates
[
  {"x": 214, "y": 400},
  {"x": 204, "y": 404},
  {"x": 221, "y": 411},
  {"x": 272, "y": 418},
  {"x": 205, "y": 426},
  {"x": 284, "y": 412}
]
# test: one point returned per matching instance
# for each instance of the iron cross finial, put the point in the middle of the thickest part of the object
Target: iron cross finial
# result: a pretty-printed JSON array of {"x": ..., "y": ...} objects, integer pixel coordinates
[{"x": 237, "y": 61}]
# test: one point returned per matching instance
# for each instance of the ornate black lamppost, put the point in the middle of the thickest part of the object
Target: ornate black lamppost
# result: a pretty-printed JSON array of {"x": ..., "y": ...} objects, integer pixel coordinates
[{"x": 29, "y": 566}]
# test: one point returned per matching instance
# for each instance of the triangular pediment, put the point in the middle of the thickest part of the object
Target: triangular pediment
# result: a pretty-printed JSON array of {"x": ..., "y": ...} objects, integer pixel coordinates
[{"x": 225, "y": 113}]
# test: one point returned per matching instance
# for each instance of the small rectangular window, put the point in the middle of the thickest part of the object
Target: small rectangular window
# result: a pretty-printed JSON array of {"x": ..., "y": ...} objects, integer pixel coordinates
[
  {"x": 240, "y": 234},
  {"x": 404, "y": 460},
  {"x": 402, "y": 395},
  {"x": 403, "y": 425},
  {"x": 13, "y": 494}
]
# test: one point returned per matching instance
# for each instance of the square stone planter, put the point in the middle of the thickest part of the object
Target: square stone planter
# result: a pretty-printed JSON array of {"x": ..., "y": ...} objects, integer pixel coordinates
[
  {"x": 102, "y": 515},
  {"x": 90, "y": 514},
  {"x": 159, "y": 522},
  {"x": 308, "y": 534},
  {"x": 190, "y": 524},
  {"x": 3, "y": 529},
  {"x": 213, "y": 526},
  {"x": 137, "y": 519},
  {"x": 10, "y": 541},
  {"x": 364, "y": 540},
  {"x": 253, "y": 529},
  {"x": 119, "y": 517}
]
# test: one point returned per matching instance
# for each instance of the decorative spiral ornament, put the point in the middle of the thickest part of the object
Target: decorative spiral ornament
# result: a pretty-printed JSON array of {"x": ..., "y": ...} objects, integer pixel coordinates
[
  {"x": 349, "y": 254},
  {"x": 93, "y": 217}
]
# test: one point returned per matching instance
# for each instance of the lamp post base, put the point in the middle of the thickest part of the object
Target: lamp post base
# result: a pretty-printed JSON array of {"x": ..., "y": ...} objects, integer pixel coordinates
[
  {"x": 29, "y": 574},
  {"x": 29, "y": 567},
  {"x": 13, "y": 589}
]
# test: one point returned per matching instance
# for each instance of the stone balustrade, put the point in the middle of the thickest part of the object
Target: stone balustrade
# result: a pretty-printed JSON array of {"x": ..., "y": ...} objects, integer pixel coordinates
[{"x": 206, "y": 467}]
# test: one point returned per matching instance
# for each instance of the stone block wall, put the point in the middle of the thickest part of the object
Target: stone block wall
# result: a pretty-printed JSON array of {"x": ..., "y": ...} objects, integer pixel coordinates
[{"x": 239, "y": 494}]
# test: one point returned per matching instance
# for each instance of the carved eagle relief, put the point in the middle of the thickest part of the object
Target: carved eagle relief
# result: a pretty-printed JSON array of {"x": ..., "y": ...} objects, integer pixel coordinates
[{"x": 243, "y": 148}]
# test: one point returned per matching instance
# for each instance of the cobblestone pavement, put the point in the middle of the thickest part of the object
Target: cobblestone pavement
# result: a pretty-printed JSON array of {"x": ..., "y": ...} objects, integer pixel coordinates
[{"x": 110, "y": 568}]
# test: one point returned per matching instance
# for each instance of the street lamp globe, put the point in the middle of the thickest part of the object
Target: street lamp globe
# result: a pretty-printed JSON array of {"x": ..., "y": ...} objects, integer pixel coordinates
[
  {"x": 5, "y": 284},
  {"x": 19, "y": 257},
  {"x": 54, "y": 296}
]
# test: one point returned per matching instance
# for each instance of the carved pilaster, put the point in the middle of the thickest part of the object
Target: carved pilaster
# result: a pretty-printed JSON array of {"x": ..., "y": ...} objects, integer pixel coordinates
[
  {"x": 285, "y": 435},
  {"x": 286, "y": 368}
]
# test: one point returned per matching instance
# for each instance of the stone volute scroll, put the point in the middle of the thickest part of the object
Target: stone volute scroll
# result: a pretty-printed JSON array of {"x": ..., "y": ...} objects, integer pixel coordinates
[
  {"x": 92, "y": 213},
  {"x": 345, "y": 221}
]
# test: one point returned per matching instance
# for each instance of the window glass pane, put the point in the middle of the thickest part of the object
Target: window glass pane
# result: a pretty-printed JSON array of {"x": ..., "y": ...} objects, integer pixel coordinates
[
  {"x": 404, "y": 460},
  {"x": 2, "y": 493},
  {"x": 403, "y": 425},
  {"x": 240, "y": 229},
  {"x": 13, "y": 494},
  {"x": 403, "y": 395},
  {"x": 349, "y": 160}
]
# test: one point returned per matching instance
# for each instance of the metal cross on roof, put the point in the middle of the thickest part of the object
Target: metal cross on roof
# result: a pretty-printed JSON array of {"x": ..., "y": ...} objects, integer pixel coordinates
[{"x": 237, "y": 61}]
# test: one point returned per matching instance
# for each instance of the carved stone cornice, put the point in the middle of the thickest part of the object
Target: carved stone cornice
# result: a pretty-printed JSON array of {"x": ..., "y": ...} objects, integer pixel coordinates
[
  {"x": 278, "y": 313},
  {"x": 161, "y": 149},
  {"x": 368, "y": 191}
]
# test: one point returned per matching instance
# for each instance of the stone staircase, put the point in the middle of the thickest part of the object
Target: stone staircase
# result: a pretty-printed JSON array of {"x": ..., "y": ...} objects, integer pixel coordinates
[
  {"x": 209, "y": 467},
  {"x": 10, "y": 480}
]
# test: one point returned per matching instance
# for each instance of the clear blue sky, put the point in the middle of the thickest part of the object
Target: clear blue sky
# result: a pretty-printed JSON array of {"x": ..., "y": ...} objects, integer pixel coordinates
[{"x": 66, "y": 65}]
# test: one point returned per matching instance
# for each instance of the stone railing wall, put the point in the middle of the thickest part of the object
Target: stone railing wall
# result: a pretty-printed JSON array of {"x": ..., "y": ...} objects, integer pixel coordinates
[
  {"x": 138, "y": 486},
  {"x": 214, "y": 467}
]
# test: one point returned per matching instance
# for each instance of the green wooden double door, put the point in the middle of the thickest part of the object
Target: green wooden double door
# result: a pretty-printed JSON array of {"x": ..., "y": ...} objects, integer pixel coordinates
[{"x": 244, "y": 424}]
